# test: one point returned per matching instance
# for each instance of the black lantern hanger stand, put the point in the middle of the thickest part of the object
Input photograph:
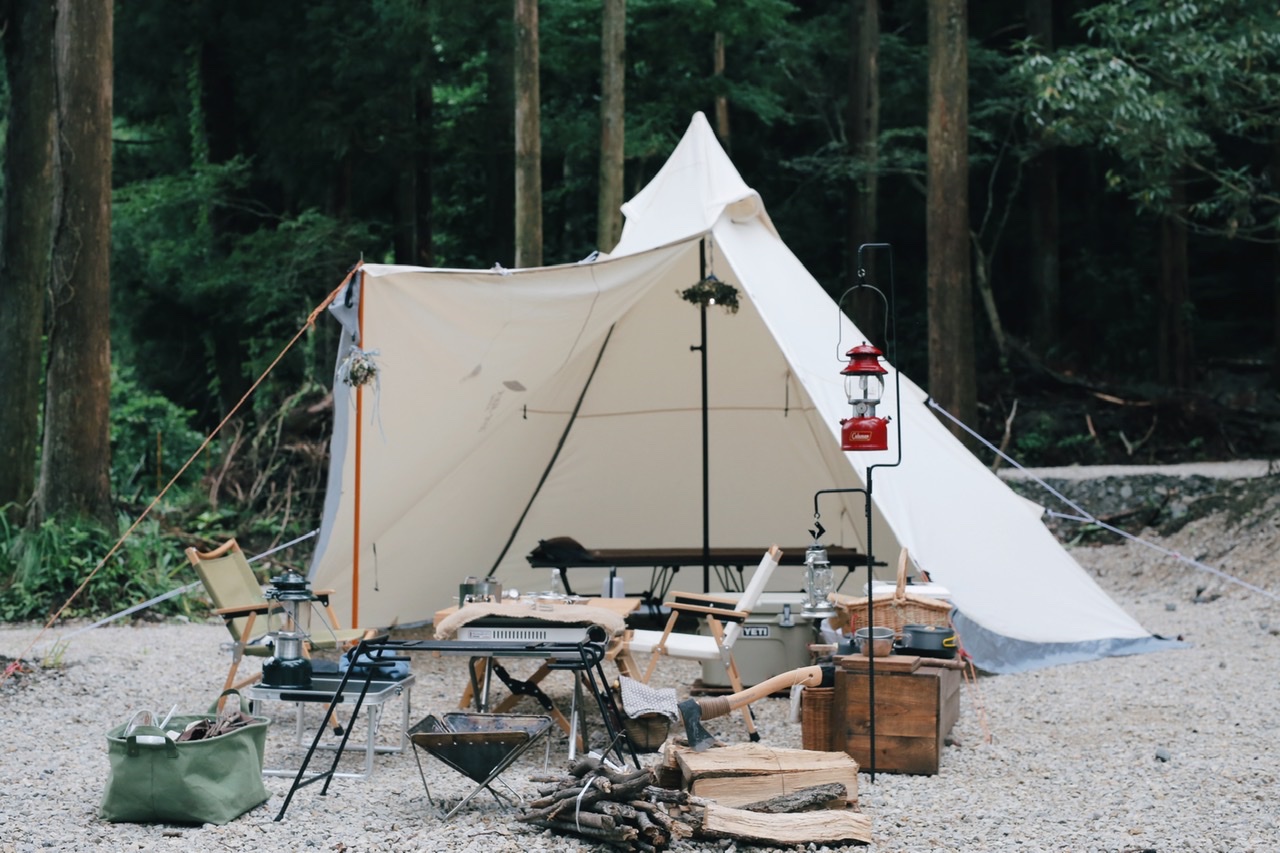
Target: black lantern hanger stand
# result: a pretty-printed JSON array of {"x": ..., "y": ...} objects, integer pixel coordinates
[{"x": 865, "y": 431}]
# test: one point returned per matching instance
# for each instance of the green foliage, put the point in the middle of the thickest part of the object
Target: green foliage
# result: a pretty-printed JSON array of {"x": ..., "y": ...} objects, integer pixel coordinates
[
  {"x": 1045, "y": 440},
  {"x": 1177, "y": 91},
  {"x": 712, "y": 291},
  {"x": 151, "y": 437},
  {"x": 41, "y": 569}
]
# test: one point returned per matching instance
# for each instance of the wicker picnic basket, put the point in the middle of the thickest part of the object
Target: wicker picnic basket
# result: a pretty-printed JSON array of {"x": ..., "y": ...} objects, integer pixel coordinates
[{"x": 894, "y": 609}]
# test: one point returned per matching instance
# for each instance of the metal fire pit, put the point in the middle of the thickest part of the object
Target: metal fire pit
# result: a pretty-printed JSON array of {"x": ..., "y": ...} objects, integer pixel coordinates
[{"x": 479, "y": 746}]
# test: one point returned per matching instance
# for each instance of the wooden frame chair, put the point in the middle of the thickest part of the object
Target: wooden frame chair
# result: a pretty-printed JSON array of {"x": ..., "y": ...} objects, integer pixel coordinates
[
  {"x": 237, "y": 597},
  {"x": 723, "y": 616}
]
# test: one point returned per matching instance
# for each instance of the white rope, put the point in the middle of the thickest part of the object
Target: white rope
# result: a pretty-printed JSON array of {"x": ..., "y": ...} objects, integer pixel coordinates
[
  {"x": 288, "y": 544},
  {"x": 1087, "y": 517},
  {"x": 180, "y": 590},
  {"x": 134, "y": 609},
  {"x": 577, "y": 809}
]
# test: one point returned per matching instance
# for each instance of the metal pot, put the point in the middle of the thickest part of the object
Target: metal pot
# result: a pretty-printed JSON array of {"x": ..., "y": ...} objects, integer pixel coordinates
[
  {"x": 932, "y": 639},
  {"x": 877, "y": 642},
  {"x": 487, "y": 590}
]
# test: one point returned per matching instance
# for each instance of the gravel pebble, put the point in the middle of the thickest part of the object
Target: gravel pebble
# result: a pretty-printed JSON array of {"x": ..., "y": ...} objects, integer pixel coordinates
[{"x": 1174, "y": 751}]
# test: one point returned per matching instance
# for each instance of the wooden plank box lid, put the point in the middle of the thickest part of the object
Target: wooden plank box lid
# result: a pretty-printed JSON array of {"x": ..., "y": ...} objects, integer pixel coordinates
[{"x": 886, "y": 663}]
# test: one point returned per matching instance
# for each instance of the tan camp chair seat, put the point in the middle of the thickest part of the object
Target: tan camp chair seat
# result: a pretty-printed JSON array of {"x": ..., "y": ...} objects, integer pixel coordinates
[{"x": 237, "y": 597}]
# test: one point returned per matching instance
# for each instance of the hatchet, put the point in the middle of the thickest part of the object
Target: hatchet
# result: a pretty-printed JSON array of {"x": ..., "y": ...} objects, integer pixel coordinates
[{"x": 694, "y": 711}]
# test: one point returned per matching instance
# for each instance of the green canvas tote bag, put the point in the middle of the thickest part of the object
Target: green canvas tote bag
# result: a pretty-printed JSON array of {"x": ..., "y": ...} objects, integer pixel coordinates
[{"x": 212, "y": 775}]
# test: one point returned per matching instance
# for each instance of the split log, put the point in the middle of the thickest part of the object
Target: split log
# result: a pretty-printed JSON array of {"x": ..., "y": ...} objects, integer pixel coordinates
[
  {"x": 813, "y": 797},
  {"x": 803, "y": 828},
  {"x": 749, "y": 772}
]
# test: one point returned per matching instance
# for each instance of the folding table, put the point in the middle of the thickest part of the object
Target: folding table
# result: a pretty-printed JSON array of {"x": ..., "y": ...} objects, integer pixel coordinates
[
  {"x": 582, "y": 658},
  {"x": 324, "y": 689}
]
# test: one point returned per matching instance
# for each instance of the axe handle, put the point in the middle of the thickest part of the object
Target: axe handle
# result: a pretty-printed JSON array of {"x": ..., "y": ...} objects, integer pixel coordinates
[{"x": 718, "y": 706}]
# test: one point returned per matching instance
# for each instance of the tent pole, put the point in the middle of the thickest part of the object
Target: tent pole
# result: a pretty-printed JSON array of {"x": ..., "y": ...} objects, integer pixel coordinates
[
  {"x": 355, "y": 520},
  {"x": 706, "y": 468},
  {"x": 891, "y": 335}
]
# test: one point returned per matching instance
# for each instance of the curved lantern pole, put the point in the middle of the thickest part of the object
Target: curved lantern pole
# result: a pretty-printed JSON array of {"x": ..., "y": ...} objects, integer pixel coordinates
[{"x": 863, "y": 432}]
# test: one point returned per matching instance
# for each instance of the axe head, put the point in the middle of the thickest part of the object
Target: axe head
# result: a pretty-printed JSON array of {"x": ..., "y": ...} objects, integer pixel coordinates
[{"x": 699, "y": 738}]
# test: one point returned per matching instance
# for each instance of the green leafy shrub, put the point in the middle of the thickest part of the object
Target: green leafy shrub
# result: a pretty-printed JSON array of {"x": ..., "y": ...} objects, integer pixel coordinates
[
  {"x": 41, "y": 569},
  {"x": 151, "y": 437}
]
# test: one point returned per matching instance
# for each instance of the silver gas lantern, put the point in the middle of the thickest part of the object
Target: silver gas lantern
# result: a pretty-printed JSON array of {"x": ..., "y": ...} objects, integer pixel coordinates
[
  {"x": 289, "y": 627},
  {"x": 819, "y": 583}
]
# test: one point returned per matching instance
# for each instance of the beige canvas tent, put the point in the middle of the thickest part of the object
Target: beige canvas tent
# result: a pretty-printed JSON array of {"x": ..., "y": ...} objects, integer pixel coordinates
[{"x": 511, "y": 406}]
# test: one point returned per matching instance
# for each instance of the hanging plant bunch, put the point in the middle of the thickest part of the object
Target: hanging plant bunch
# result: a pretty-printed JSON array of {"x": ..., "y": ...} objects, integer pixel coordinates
[
  {"x": 712, "y": 291},
  {"x": 359, "y": 368}
]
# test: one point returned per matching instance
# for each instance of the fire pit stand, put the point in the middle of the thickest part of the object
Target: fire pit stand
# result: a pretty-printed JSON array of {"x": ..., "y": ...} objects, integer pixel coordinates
[{"x": 479, "y": 746}]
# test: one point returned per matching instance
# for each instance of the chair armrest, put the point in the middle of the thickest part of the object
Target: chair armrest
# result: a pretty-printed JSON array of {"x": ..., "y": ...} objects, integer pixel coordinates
[
  {"x": 721, "y": 613},
  {"x": 703, "y": 599},
  {"x": 244, "y": 610}
]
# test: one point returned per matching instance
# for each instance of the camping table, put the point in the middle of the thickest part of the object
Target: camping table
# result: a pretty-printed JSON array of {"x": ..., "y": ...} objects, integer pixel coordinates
[
  {"x": 728, "y": 564},
  {"x": 324, "y": 688},
  {"x": 530, "y": 620},
  {"x": 582, "y": 658}
]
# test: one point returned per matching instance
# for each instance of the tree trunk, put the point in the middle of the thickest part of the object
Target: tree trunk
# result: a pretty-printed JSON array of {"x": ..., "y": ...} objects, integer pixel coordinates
[
  {"x": 212, "y": 124},
  {"x": 528, "y": 137},
  {"x": 1275, "y": 273},
  {"x": 864, "y": 134},
  {"x": 613, "y": 78},
  {"x": 26, "y": 223},
  {"x": 76, "y": 461},
  {"x": 952, "y": 380},
  {"x": 1043, "y": 200},
  {"x": 499, "y": 134},
  {"x": 1173, "y": 355},
  {"x": 722, "y": 100},
  {"x": 404, "y": 240},
  {"x": 411, "y": 235},
  {"x": 424, "y": 155}
]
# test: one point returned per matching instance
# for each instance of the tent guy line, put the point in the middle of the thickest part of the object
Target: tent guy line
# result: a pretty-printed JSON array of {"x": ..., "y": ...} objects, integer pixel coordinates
[
  {"x": 179, "y": 591},
  {"x": 1085, "y": 517}
]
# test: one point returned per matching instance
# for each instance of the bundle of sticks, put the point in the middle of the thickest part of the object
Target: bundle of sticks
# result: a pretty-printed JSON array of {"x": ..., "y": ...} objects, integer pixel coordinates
[{"x": 620, "y": 808}]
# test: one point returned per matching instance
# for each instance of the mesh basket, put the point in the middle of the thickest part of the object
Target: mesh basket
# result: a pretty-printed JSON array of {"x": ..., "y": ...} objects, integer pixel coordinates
[
  {"x": 815, "y": 718},
  {"x": 894, "y": 609}
]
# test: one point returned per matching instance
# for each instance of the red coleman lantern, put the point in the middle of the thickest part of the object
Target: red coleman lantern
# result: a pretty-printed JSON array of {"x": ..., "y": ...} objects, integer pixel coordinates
[{"x": 864, "y": 386}]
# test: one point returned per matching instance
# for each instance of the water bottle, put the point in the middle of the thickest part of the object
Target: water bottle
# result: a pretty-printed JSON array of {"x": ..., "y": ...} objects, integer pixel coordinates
[{"x": 557, "y": 587}]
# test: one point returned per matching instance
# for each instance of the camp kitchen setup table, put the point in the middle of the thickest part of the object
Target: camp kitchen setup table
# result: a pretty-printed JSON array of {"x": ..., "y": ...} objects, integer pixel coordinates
[
  {"x": 324, "y": 689},
  {"x": 583, "y": 659},
  {"x": 564, "y": 620},
  {"x": 729, "y": 564}
]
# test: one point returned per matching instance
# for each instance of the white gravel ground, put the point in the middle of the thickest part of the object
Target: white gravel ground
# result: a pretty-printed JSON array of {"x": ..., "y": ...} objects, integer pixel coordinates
[{"x": 1175, "y": 751}]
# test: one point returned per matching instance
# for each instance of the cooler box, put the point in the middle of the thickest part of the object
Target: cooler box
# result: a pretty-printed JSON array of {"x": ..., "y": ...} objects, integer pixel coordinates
[{"x": 774, "y": 639}]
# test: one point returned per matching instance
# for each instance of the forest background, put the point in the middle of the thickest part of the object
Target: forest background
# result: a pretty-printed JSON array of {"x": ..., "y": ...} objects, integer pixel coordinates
[{"x": 1081, "y": 198}]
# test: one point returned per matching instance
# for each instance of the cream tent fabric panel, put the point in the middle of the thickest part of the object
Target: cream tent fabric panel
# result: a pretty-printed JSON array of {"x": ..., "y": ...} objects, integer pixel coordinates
[{"x": 566, "y": 401}]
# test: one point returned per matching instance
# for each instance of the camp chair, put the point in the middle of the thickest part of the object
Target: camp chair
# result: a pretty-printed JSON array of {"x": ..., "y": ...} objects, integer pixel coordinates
[
  {"x": 237, "y": 597},
  {"x": 723, "y": 617}
]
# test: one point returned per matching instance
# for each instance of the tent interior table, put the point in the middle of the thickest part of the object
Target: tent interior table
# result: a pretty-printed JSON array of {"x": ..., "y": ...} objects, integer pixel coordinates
[{"x": 728, "y": 564}]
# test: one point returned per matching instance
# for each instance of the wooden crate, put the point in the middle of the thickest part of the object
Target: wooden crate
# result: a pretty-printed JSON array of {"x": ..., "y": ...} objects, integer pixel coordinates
[{"x": 917, "y": 703}]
